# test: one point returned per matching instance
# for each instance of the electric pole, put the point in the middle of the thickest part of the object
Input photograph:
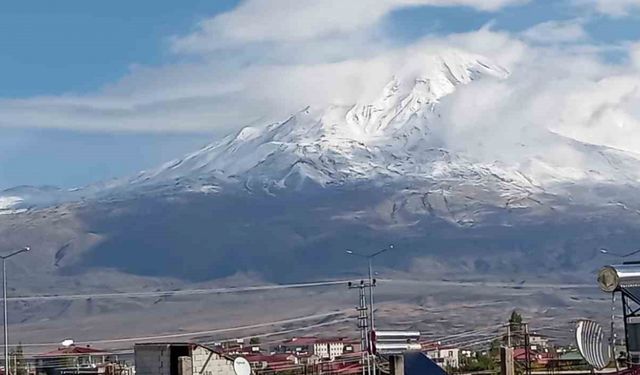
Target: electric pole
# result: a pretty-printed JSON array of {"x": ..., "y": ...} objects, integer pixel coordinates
[
  {"x": 527, "y": 348},
  {"x": 363, "y": 326}
]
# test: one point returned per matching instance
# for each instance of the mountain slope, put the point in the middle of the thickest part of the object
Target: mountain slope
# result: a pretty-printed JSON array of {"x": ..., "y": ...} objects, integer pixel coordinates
[{"x": 292, "y": 195}]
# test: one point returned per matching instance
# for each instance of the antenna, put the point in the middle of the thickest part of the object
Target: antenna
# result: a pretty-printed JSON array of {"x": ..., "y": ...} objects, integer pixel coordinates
[
  {"x": 241, "y": 366},
  {"x": 592, "y": 344}
]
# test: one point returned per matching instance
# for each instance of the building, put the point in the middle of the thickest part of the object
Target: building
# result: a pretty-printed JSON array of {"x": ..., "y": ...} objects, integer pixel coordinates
[
  {"x": 332, "y": 348},
  {"x": 520, "y": 355},
  {"x": 571, "y": 360},
  {"x": 538, "y": 342},
  {"x": 444, "y": 356},
  {"x": 74, "y": 359},
  {"x": 274, "y": 362},
  {"x": 180, "y": 359},
  {"x": 323, "y": 348},
  {"x": 237, "y": 347}
]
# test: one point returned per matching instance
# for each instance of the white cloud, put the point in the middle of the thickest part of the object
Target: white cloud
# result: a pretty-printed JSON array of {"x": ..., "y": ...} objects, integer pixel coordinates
[
  {"x": 256, "y": 21},
  {"x": 613, "y": 8},
  {"x": 267, "y": 71},
  {"x": 556, "y": 32},
  {"x": 280, "y": 55},
  {"x": 555, "y": 89},
  {"x": 206, "y": 96}
]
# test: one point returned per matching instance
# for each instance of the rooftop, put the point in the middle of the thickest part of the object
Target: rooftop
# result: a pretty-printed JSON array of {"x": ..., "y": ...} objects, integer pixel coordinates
[{"x": 74, "y": 350}]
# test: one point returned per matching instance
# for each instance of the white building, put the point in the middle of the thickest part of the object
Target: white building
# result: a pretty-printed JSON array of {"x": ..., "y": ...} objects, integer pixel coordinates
[
  {"x": 322, "y": 348},
  {"x": 328, "y": 349},
  {"x": 538, "y": 342},
  {"x": 180, "y": 359},
  {"x": 446, "y": 357}
]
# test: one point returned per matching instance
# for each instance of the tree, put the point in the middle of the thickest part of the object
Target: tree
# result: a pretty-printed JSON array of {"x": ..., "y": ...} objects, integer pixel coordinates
[
  {"x": 494, "y": 348},
  {"x": 515, "y": 318},
  {"x": 516, "y": 329},
  {"x": 477, "y": 362}
]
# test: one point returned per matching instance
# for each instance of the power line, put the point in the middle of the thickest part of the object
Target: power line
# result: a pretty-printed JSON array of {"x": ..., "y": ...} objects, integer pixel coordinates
[
  {"x": 171, "y": 293},
  {"x": 198, "y": 333}
]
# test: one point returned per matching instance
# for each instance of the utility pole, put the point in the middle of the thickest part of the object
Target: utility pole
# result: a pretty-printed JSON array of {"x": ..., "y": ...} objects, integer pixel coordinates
[
  {"x": 527, "y": 348},
  {"x": 370, "y": 284},
  {"x": 7, "y": 365},
  {"x": 506, "y": 361},
  {"x": 363, "y": 325}
]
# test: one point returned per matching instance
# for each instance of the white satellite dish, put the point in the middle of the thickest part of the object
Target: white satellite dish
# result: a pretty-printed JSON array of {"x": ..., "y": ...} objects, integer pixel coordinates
[
  {"x": 67, "y": 343},
  {"x": 241, "y": 366},
  {"x": 592, "y": 344}
]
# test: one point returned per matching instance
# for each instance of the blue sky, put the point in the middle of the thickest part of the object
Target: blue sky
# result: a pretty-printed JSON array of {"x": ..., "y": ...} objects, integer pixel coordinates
[
  {"x": 95, "y": 90},
  {"x": 78, "y": 46}
]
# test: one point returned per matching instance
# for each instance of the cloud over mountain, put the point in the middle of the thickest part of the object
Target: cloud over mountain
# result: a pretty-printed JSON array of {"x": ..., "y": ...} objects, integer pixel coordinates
[{"x": 263, "y": 61}]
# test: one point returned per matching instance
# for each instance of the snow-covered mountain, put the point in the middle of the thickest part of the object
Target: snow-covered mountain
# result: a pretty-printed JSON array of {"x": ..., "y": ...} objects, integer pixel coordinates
[
  {"x": 395, "y": 139},
  {"x": 284, "y": 200},
  {"x": 388, "y": 138}
]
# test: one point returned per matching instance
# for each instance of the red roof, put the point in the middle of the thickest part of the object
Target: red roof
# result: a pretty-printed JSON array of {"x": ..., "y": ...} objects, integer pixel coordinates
[
  {"x": 73, "y": 351},
  {"x": 520, "y": 354},
  {"x": 342, "y": 368},
  {"x": 302, "y": 340},
  {"x": 269, "y": 358}
]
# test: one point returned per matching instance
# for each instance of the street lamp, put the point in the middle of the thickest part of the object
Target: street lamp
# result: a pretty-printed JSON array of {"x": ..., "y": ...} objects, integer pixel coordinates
[
  {"x": 607, "y": 252},
  {"x": 4, "y": 299},
  {"x": 369, "y": 258}
]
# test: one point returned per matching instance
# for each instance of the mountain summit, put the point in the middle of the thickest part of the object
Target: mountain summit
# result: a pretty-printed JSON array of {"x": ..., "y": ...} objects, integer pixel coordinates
[{"x": 388, "y": 138}]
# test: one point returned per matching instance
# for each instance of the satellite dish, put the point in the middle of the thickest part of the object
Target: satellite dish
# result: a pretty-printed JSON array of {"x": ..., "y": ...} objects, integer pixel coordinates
[
  {"x": 67, "y": 343},
  {"x": 241, "y": 366},
  {"x": 592, "y": 344}
]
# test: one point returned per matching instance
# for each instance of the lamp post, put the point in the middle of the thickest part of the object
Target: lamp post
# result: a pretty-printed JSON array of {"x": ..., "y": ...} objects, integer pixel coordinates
[
  {"x": 4, "y": 300},
  {"x": 369, "y": 258}
]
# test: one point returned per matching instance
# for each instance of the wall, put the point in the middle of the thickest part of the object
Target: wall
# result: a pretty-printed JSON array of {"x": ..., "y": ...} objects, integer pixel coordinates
[
  {"x": 206, "y": 362},
  {"x": 152, "y": 360}
]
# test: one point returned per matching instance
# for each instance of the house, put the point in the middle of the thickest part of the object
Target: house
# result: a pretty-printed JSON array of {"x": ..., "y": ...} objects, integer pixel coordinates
[
  {"x": 274, "y": 362},
  {"x": 74, "y": 359},
  {"x": 237, "y": 347},
  {"x": 538, "y": 342},
  {"x": 444, "y": 356},
  {"x": 180, "y": 359},
  {"x": 569, "y": 360},
  {"x": 520, "y": 355},
  {"x": 536, "y": 357},
  {"x": 323, "y": 348}
]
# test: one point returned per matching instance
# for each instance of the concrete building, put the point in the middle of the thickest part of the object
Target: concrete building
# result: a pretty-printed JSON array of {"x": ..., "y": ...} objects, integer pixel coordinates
[
  {"x": 329, "y": 348},
  {"x": 538, "y": 342},
  {"x": 323, "y": 348},
  {"x": 180, "y": 359},
  {"x": 444, "y": 356},
  {"x": 74, "y": 359}
]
